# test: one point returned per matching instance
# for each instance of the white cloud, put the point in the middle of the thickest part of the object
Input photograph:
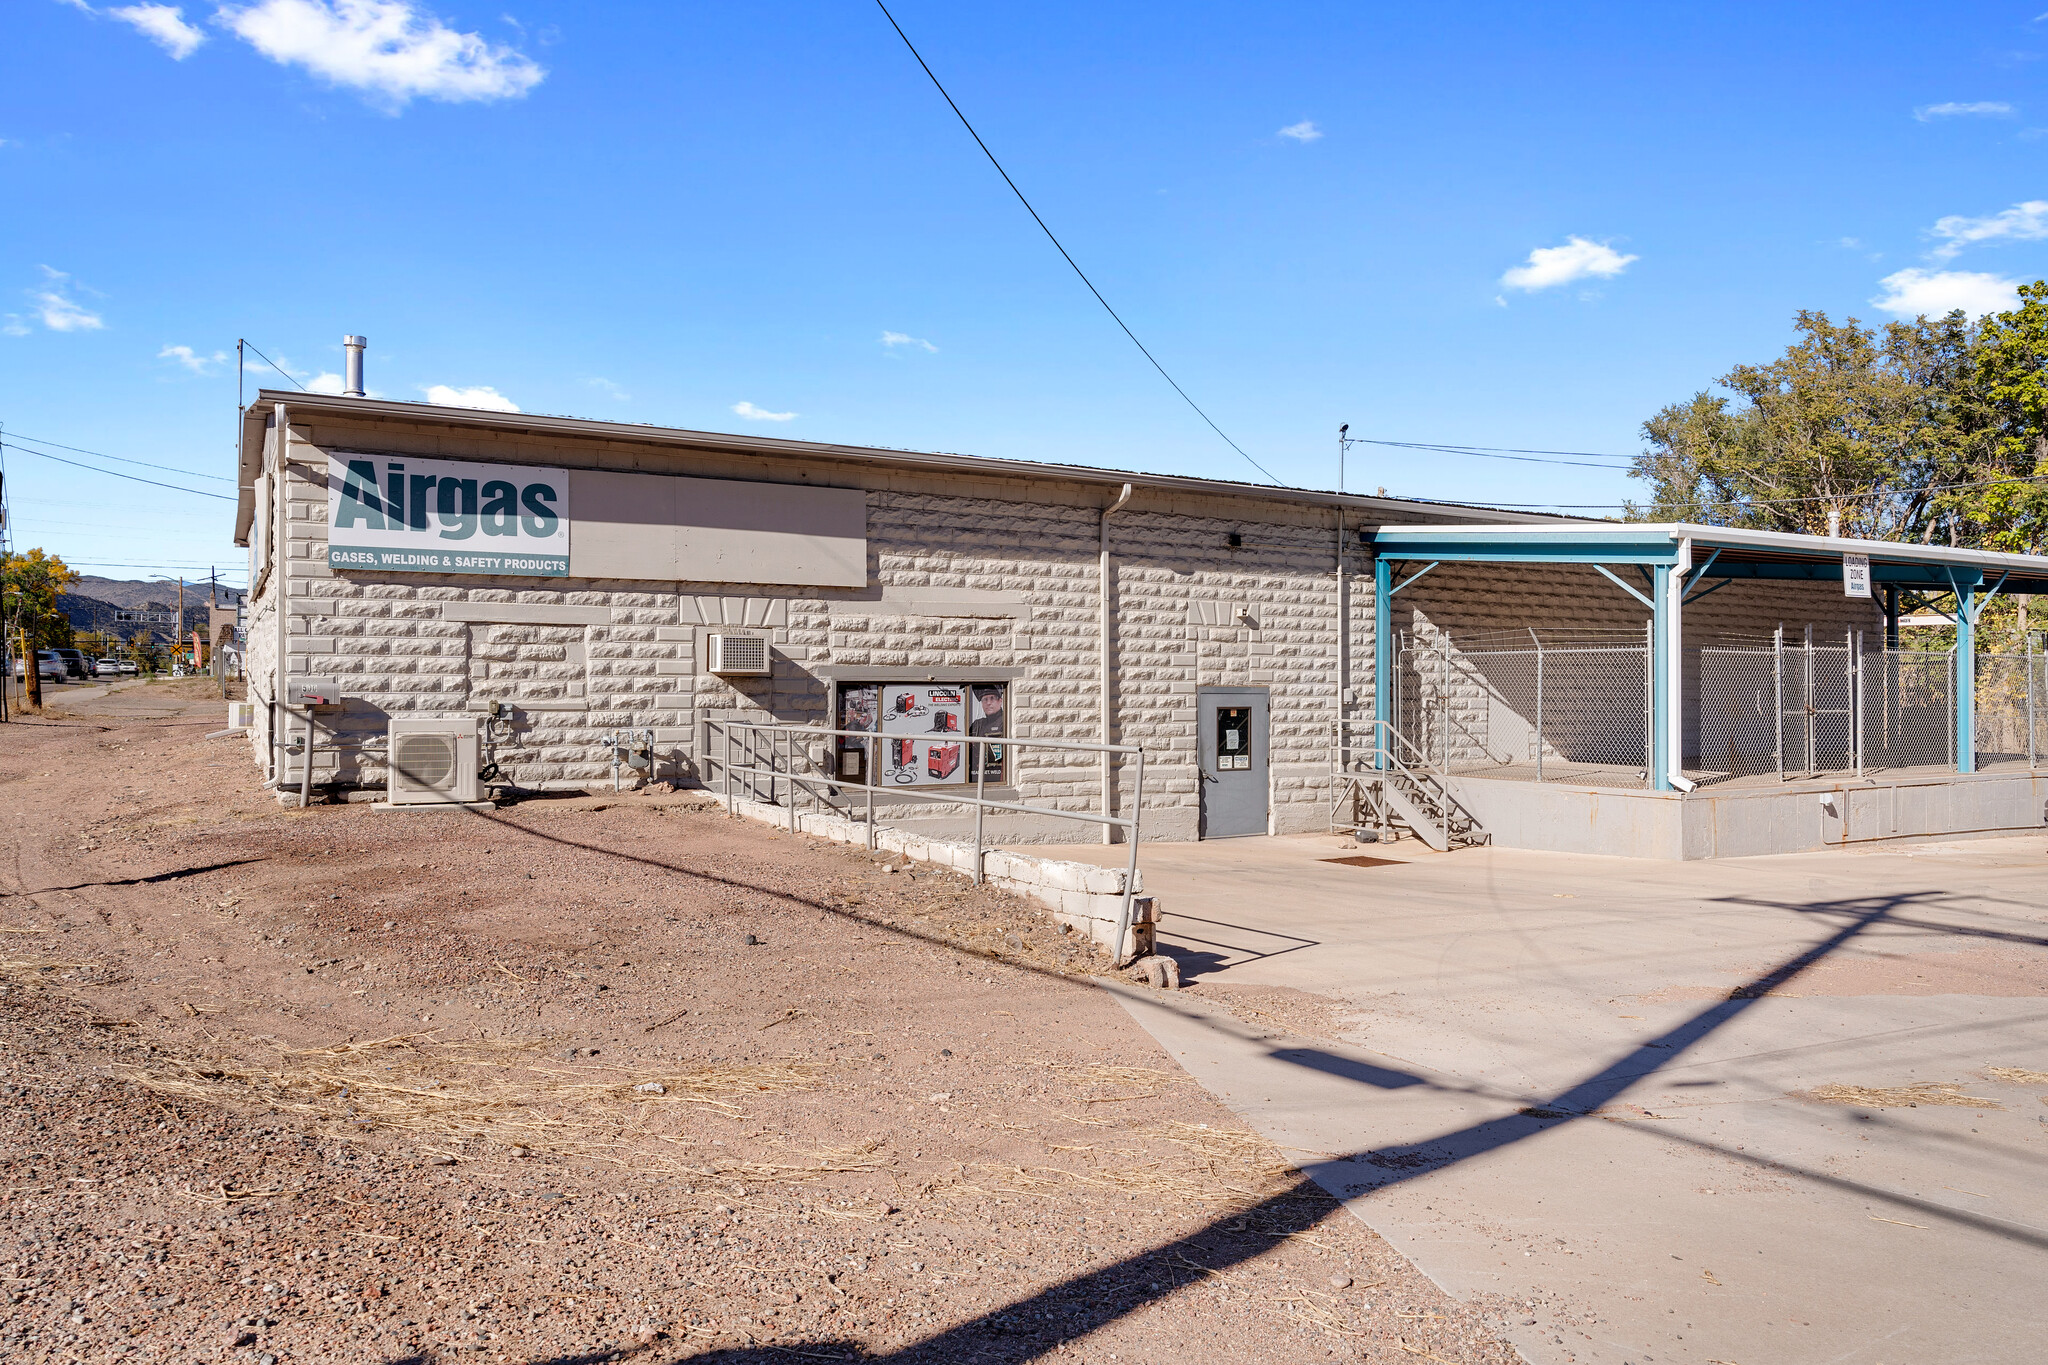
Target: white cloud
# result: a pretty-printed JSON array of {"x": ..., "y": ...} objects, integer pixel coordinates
[
  {"x": 12, "y": 325},
  {"x": 390, "y": 50},
  {"x": 191, "y": 359},
  {"x": 163, "y": 25},
  {"x": 1304, "y": 131},
  {"x": 327, "y": 381},
  {"x": 1930, "y": 293},
  {"x": 1578, "y": 259},
  {"x": 1927, "y": 113},
  {"x": 57, "y": 310},
  {"x": 476, "y": 396},
  {"x": 894, "y": 339},
  {"x": 754, "y": 414},
  {"x": 608, "y": 389},
  {"x": 2027, "y": 222}
]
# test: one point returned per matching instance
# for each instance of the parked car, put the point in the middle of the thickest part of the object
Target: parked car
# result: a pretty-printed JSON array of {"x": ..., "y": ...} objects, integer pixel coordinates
[{"x": 74, "y": 662}]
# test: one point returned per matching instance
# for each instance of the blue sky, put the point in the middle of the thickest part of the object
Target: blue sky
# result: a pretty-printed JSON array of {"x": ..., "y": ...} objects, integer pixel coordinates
[{"x": 1504, "y": 226}]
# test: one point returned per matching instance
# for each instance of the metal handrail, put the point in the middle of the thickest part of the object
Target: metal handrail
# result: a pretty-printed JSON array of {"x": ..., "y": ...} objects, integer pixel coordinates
[{"x": 981, "y": 803}]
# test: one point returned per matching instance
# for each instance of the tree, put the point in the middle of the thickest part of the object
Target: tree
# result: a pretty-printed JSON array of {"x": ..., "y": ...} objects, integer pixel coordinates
[
  {"x": 1832, "y": 426},
  {"x": 29, "y": 586},
  {"x": 2011, "y": 373}
]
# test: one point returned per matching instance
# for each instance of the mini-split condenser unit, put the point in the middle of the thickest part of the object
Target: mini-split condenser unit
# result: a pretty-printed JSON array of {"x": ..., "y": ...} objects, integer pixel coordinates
[
  {"x": 737, "y": 655},
  {"x": 433, "y": 761}
]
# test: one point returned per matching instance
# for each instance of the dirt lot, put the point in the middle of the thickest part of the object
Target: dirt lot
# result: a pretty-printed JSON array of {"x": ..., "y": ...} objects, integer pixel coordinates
[{"x": 597, "y": 1079}]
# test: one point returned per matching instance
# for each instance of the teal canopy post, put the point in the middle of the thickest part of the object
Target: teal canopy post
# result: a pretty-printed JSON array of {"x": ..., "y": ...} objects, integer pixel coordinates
[
  {"x": 1661, "y": 679},
  {"x": 1382, "y": 651},
  {"x": 1966, "y": 679}
]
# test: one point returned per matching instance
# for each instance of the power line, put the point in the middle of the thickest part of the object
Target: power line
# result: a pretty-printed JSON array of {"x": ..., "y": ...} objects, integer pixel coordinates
[
  {"x": 1902, "y": 491},
  {"x": 123, "y": 459},
  {"x": 1502, "y": 453},
  {"x": 274, "y": 365},
  {"x": 1061, "y": 249},
  {"x": 117, "y": 474}
]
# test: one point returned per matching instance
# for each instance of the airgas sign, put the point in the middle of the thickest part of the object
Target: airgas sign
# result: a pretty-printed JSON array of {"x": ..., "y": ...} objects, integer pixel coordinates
[{"x": 407, "y": 515}]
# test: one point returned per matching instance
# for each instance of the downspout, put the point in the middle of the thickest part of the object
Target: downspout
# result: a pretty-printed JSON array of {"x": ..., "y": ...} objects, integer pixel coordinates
[
  {"x": 280, "y": 567},
  {"x": 1102, "y": 575},
  {"x": 1343, "y": 632}
]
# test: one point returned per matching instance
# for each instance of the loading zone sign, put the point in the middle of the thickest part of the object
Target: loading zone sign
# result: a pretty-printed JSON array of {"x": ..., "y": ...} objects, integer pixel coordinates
[
  {"x": 1856, "y": 575},
  {"x": 407, "y": 515}
]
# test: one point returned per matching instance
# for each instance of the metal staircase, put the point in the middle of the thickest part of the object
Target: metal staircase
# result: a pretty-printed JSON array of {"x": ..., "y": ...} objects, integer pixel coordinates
[{"x": 1389, "y": 783}]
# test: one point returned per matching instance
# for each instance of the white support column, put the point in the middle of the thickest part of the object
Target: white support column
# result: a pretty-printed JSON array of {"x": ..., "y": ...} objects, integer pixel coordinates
[{"x": 1674, "y": 667}]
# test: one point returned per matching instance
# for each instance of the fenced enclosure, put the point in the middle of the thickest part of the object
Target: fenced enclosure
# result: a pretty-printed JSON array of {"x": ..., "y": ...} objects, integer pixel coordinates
[
  {"x": 1807, "y": 708},
  {"x": 1529, "y": 708},
  {"x": 1537, "y": 707}
]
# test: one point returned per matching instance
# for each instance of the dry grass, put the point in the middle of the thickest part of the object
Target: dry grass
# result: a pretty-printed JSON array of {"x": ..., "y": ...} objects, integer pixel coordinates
[
  {"x": 1227, "y": 1168},
  {"x": 2017, "y": 1075},
  {"x": 36, "y": 971},
  {"x": 1895, "y": 1097},
  {"x": 489, "y": 1091}
]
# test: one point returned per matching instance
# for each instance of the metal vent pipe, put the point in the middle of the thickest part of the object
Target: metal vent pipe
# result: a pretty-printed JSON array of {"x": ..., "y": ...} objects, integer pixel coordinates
[{"x": 354, "y": 346}]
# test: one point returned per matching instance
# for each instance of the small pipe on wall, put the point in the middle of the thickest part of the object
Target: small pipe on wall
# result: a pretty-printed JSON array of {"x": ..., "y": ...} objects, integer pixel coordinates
[{"x": 1103, "y": 577}]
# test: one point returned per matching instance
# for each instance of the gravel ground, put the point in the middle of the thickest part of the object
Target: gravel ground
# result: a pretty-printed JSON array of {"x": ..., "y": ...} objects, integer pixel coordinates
[{"x": 599, "y": 1079}]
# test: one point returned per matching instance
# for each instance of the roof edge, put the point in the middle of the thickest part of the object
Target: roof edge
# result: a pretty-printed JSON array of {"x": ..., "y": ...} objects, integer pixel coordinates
[{"x": 535, "y": 423}]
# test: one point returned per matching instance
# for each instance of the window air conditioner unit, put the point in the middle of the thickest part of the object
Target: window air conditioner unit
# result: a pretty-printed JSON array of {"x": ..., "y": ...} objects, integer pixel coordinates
[
  {"x": 738, "y": 655},
  {"x": 433, "y": 761}
]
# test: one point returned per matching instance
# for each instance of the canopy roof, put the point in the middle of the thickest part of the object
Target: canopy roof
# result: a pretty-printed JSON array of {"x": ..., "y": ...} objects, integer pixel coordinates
[{"x": 1715, "y": 552}]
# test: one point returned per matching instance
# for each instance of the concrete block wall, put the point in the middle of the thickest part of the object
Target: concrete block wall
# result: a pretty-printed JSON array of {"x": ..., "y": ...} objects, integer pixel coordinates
[{"x": 571, "y": 660}]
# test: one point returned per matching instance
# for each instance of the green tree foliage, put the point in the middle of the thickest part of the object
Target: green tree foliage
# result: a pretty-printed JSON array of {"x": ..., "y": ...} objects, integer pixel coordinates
[
  {"x": 29, "y": 586},
  {"x": 1852, "y": 420},
  {"x": 1934, "y": 430}
]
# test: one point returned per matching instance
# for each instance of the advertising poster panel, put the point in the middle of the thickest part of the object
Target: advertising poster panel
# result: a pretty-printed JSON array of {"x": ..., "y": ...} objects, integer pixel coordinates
[{"x": 923, "y": 724}]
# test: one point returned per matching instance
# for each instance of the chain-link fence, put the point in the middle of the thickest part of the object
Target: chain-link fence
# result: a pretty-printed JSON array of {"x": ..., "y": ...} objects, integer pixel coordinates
[
  {"x": 1909, "y": 709},
  {"x": 1579, "y": 710},
  {"x": 1794, "y": 709},
  {"x": 1542, "y": 711},
  {"x": 2012, "y": 694}
]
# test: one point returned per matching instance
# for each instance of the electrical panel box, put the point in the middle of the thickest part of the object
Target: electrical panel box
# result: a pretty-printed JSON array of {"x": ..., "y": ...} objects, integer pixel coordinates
[{"x": 737, "y": 655}]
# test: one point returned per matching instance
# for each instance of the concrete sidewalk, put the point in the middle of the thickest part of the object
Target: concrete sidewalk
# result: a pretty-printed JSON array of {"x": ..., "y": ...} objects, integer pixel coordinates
[{"x": 1572, "y": 1085}]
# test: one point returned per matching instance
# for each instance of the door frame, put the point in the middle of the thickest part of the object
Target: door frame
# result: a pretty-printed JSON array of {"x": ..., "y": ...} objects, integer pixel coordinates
[{"x": 1265, "y": 694}]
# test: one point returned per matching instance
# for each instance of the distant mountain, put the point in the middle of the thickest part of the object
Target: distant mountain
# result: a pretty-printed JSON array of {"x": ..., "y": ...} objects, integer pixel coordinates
[{"x": 93, "y": 601}]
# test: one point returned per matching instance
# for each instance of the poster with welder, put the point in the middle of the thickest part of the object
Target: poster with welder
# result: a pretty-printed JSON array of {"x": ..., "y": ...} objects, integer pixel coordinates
[
  {"x": 985, "y": 717},
  {"x": 922, "y": 729},
  {"x": 858, "y": 706}
]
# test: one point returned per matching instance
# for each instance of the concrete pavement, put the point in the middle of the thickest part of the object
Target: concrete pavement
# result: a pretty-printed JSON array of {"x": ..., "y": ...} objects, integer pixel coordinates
[{"x": 1582, "y": 1087}]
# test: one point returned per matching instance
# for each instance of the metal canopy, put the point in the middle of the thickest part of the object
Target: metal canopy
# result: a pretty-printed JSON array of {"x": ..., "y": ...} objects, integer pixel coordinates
[
  {"x": 1719, "y": 551},
  {"x": 1674, "y": 558}
]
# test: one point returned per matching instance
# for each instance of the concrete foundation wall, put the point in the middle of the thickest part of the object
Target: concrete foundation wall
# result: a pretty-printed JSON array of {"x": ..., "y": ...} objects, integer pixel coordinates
[{"x": 1751, "y": 821}]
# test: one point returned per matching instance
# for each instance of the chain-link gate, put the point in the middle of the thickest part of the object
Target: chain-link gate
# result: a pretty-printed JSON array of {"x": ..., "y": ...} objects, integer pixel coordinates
[{"x": 1804, "y": 709}]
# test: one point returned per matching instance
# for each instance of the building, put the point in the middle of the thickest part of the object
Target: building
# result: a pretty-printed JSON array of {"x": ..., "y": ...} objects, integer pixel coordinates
[{"x": 569, "y": 576}]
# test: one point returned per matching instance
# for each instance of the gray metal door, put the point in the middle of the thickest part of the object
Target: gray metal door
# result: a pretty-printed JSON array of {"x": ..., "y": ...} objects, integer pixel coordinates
[{"x": 1231, "y": 748}]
